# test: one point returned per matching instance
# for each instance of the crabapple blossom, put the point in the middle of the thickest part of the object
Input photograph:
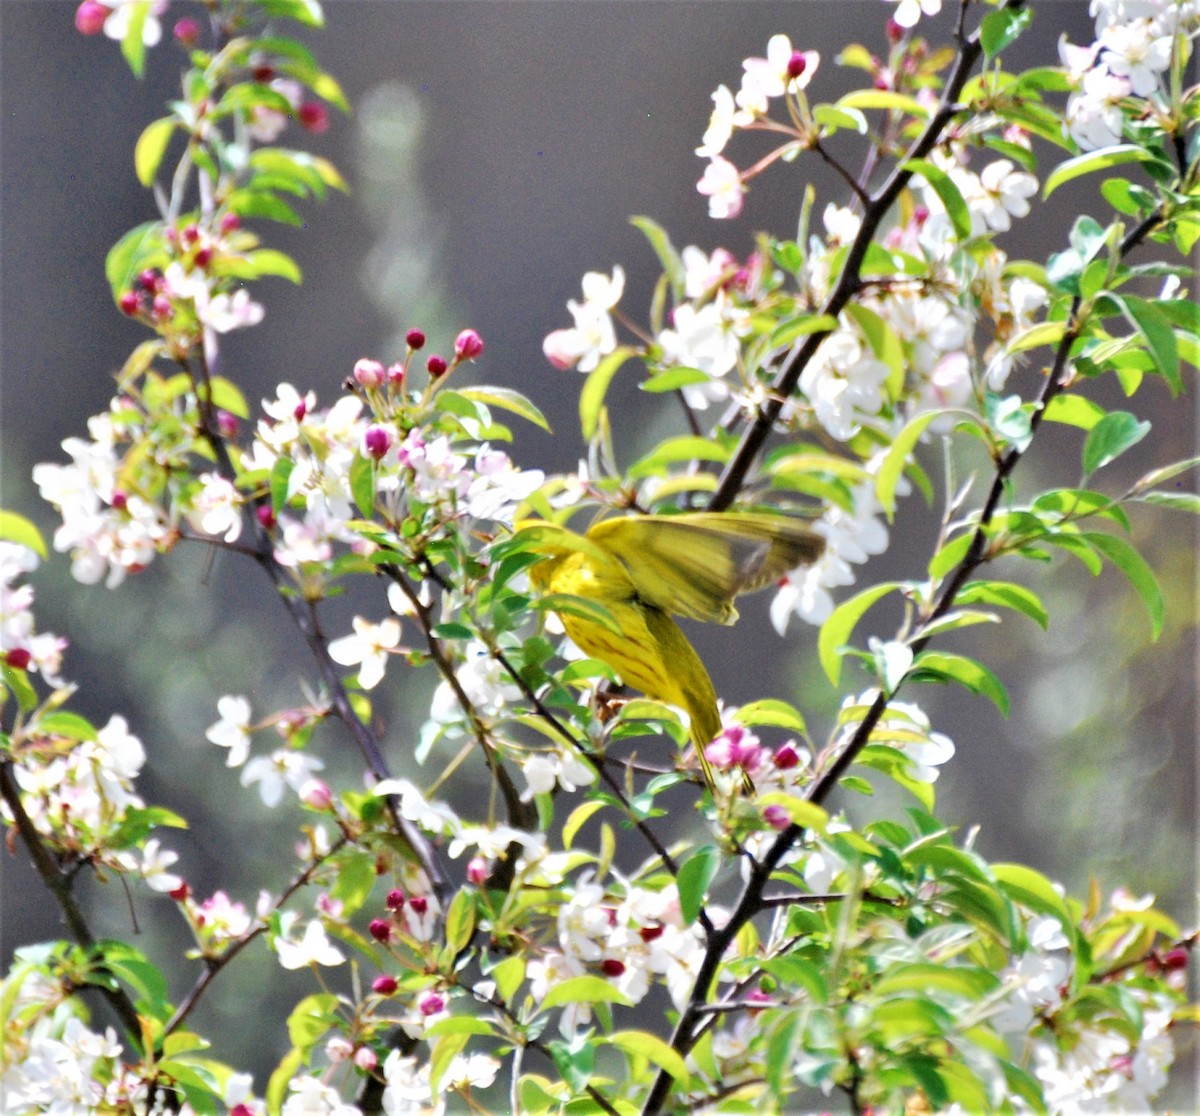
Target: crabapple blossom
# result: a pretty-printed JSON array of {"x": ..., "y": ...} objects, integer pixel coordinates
[
  {"x": 312, "y": 948},
  {"x": 369, "y": 648},
  {"x": 722, "y": 184},
  {"x": 281, "y": 768},
  {"x": 232, "y": 731},
  {"x": 593, "y": 335}
]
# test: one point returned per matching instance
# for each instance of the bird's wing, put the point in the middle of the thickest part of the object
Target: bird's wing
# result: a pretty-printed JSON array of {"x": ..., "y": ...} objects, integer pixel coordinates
[{"x": 694, "y": 564}]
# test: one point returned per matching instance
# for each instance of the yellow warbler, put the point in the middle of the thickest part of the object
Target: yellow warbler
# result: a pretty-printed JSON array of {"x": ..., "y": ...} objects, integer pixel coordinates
[{"x": 640, "y": 568}]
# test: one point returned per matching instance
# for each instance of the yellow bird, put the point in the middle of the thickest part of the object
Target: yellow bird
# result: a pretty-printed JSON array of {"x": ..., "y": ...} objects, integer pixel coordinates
[{"x": 643, "y": 568}]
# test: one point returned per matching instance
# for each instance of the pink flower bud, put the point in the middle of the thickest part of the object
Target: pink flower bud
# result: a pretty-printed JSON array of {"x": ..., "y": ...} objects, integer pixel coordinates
[
  {"x": 227, "y": 424},
  {"x": 468, "y": 345},
  {"x": 560, "y": 349},
  {"x": 150, "y": 280},
  {"x": 894, "y": 32},
  {"x": 119, "y": 500},
  {"x": 418, "y": 904},
  {"x": 436, "y": 366},
  {"x": 1176, "y": 958},
  {"x": 130, "y": 303},
  {"x": 395, "y": 374},
  {"x": 315, "y": 793},
  {"x": 650, "y": 933},
  {"x": 314, "y": 116},
  {"x": 380, "y": 929},
  {"x": 180, "y": 893},
  {"x": 241, "y": 1110},
  {"x": 90, "y": 17},
  {"x": 797, "y": 64},
  {"x": 187, "y": 32},
  {"x": 191, "y": 234},
  {"x": 377, "y": 440},
  {"x": 611, "y": 967},
  {"x": 263, "y": 73},
  {"x": 786, "y": 757},
  {"x": 365, "y": 1058},
  {"x": 18, "y": 658},
  {"x": 384, "y": 985},
  {"x": 338, "y": 1049},
  {"x": 369, "y": 373},
  {"x": 265, "y": 516},
  {"x": 777, "y": 817},
  {"x": 430, "y": 1003},
  {"x": 161, "y": 307},
  {"x": 300, "y": 410},
  {"x": 415, "y": 339},
  {"x": 395, "y": 899},
  {"x": 203, "y": 257},
  {"x": 230, "y": 222},
  {"x": 477, "y": 871}
]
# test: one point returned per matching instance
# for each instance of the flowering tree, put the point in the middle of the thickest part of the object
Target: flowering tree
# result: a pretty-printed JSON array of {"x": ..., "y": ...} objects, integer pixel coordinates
[{"x": 562, "y": 948}]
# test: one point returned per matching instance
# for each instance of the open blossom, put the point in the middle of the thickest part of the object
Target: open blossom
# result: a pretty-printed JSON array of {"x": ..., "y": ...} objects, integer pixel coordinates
[
  {"x": 232, "y": 731},
  {"x": 313, "y": 948},
  {"x": 483, "y": 680},
  {"x": 370, "y": 646},
  {"x": 217, "y": 507},
  {"x": 722, "y": 184},
  {"x": 593, "y": 335},
  {"x": 909, "y": 12},
  {"x": 284, "y": 767},
  {"x": 227, "y": 312},
  {"x": 784, "y": 69},
  {"x": 498, "y": 486},
  {"x": 117, "y": 24}
]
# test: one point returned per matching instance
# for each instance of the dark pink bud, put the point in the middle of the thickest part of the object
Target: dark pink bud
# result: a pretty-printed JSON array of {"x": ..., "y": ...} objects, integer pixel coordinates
[
  {"x": 369, "y": 373},
  {"x": 313, "y": 115},
  {"x": 241, "y": 1110},
  {"x": 300, "y": 410},
  {"x": 18, "y": 658},
  {"x": 611, "y": 967},
  {"x": 203, "y": 257},
  {"x": 377, "y": 441},
  {"x": 129, "y": 303},
  {"x": 263, "y": 73},
  {"x": 477, "y": 871},
  {"x": 161, "y": 307},
  {"x": 90, "y": 17},
  {"x": 366, "y": 1058},
  {"x": 1175, "y": 959},
  {"x": 894, "y": 32},
  {"x": 468, "y": 345},
  {"x": 430, "y": 1003},
  {"x": 436, "y": 366},
  {"x": 786, "y": 757},
  {"x": 380, "y": 929},
  {"x": 415, "y": 339},
  {"x": 650, "y": 933},
  {"x": 180, "y": 893},
  {"x": 395, "y": 374},
  {"x": 797, "y": 64},
  {"x": 265, "y": 516},
  {"x": 230, "y": 222},
  {"x": 191, "y": 234},
  {"x": 150, "y": 280},
  {"x": 187, "y": 32},
  {"x": 227, "y": 424},
  {"x": 419, "y": 904},
  {"x": 777, "y": 817},
  {"x": 119, "y": 500},
  {"x": 395, "y": 899},
  {"x": 384, "y": 985},
  {"x": 920, "y": 215}
]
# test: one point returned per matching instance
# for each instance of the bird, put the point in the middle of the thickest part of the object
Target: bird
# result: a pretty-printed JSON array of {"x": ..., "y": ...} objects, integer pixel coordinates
[{"x": 644, "y": 569}]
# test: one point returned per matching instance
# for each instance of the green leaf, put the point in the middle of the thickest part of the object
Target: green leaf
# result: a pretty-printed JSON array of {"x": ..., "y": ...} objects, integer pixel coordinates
[
  {"x": 836, "y": 631},
  {"x": 808, "y": 815},
  {"x": 133, "y": 46},
  {"x": 771, "y": 711},
  {"x": 943, "y": 666},
  {"x": 1044, "y": 333},
  {"x": 270, "y": 261},
  {"x": 509, "y": 975},
  {"x": 695, "y": 875},
  {"x": 660, "y": 242},
  {"x": 1033, "y": 890},
  {"x": 362, "y": 484},
  {"x": 1074, "y": 410},
  {"x": 1008, "y": 595},
  {"x": 1126, "y": 558},
  {"x": 150, "y": 148},
  {"x": 507, "y": 400},
  {"x": 460, "y": 1025},
  {"x": 460, "y": 920},
  {"x": 1110, "y": 438},
  {"x": 892, "y": 467},
  {"x": 999, "y": 29},
  {"x": 687, "y": 447},
  {"x": 595, "y": 388},
  {"x": 17, "y": 529},
  {"x": 138, "y": 249},
  {"x": 70, "y": 726},
  {"x": 1174, "y": 501},
  {"x": 643, "y": 1044},
  {"x": 788, "y": 331},
  {"x": 281, "y": 473},
  {"x": 1155, "y": 328},
  {"x": 260, "y": 203},
  {"x": 672, "y": 379},
  {"x": 307, "y": 12},
  {"x": 584, "y": 990},
  {"x": 886, "y": 99},
  {"x": 943, "y": 185},
  {"x": 1091, "y": 161}
]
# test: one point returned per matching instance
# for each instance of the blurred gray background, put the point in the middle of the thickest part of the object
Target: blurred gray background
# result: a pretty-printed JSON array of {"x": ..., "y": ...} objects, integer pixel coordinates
[{"x": 496, "y": 154}]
